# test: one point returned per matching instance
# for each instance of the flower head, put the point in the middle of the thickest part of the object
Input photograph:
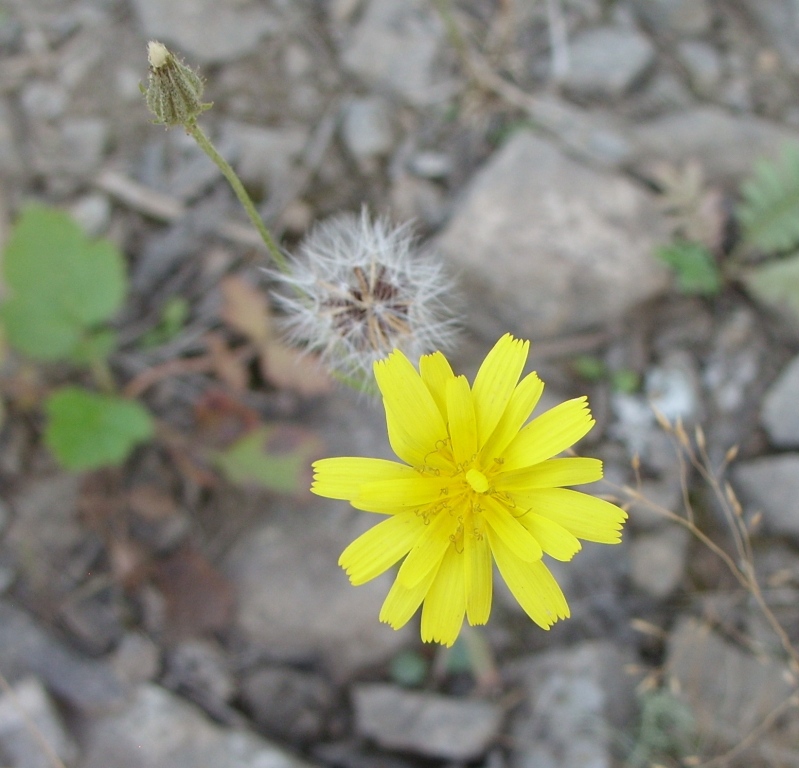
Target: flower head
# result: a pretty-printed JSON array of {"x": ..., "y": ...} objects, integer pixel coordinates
[
  {"x": 174, "y": 91},
  {"x": 477, "y": 484},
  {"x": 360, "y": 289}
]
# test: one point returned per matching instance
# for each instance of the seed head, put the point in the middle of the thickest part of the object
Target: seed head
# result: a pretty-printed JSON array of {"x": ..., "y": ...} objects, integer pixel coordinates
[
  {"x": 174, "y": 91},
  {"x": 359, "y": 289}
]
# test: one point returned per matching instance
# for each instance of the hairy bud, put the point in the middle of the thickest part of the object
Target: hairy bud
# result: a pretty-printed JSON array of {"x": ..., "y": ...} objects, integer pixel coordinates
[{"x": 174, "y": 91}]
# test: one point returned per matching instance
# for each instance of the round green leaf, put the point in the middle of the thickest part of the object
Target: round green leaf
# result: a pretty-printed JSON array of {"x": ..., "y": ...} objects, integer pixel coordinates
[
  {"x": 86, "y": 430},
  {"x": 60, "y": 283}
]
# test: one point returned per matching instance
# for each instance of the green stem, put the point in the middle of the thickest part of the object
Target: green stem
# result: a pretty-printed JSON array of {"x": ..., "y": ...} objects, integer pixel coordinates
[
  {"x": 102, "y": 375},
  {"x": 205, "y": 144}
]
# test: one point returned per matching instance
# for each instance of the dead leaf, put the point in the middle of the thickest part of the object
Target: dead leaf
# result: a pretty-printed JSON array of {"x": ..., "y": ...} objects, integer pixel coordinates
[
  {"x": 288, "y": 368},
  {"x": 151, "y": 503},
  {"x": 246, "y": 310},
  {"x": 199, "y": 600},
  {"x": 227, "y": 365},
  {"x": 222, "y": 418}
]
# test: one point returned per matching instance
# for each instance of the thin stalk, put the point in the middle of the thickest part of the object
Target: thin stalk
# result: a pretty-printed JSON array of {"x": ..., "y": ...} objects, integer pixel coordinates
[{"x": 205, "y": 144}]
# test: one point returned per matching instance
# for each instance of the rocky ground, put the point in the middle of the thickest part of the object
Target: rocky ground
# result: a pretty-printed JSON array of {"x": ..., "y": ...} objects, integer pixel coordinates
[{"x": 152, "y": 618}]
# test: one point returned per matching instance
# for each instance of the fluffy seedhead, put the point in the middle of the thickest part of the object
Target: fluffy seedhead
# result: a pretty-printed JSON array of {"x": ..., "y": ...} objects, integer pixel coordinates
[{"x": 360, "y": 288}]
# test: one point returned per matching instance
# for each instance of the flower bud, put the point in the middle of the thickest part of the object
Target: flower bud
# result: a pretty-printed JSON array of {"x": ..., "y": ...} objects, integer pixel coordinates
[{"x": 174, "y": 92}]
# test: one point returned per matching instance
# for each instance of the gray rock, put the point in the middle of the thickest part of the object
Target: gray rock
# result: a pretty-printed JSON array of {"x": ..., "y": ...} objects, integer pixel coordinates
[
  {"x": 294, "y": 599},
  {"x": 207, "y": 31},
  {"x": 44, "y": 100},
  {"x": 550, "y": 246},
  {"x": 28, "y": 717},
  {"x": 160, "y": 729},
  {"x": 779, "y": 21},
  {"x": 93, "y": 213},
  {"x": 136, "y": 659},
  {"x": 729, "y": 691},
  {"x": 26, "y": 649},
  {"x": 11, "y": 163},
  {"x": 657, "y": 560},
  {"x": 45, "y": 528},
  {"x": 726, "y": 145},
  {"x": 673, "y": 388},
  {"x": 394, "y": 46},
  {"x": 780, "y": 412},
  {"x": 265, "y": 156},
  {"x": 703, "y": 64},
  {"x": 664, "y": 93},
  {"x": 430, "y": 164},
  {"x": 575, "y": 698},
  {"x": 200, "y": 669},
  {"x": 681, "y": 17},
  {"x": 425, "y": 723},
  {"x": 291, "y": 704},
  {"x": 666, "y": 493},
  {"x": 595, "y": 136},
  {"x": 366, "y": 128},
  {"x": 606, "y": 62},
  {"x": 771, "y": 485}
]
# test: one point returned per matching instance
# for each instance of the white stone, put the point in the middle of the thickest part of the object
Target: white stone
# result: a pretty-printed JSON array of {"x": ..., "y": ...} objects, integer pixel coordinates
[{"x": 780, "y": 413}]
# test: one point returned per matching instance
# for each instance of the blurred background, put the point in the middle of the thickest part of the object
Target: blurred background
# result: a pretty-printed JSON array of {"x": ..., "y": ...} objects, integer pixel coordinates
[{"x": 616, "y": 180}]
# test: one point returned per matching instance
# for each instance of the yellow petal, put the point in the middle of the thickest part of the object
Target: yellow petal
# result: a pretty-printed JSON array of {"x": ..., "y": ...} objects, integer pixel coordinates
[
  {"x": 380, "y": 547},
  {"x": 414, "y": 420},
  {"x": 495, "y": 382},
  {"x": 340, "y": 478},
  {"x": 549, "y": 434},
  {"x": 532, "y": 584},
  {"x": 402, "y": 602},
  {"x": 554, "y": 539},
  {"x": 462, "y": 425},
  {"x": 411, "y": 444},
  {"x": 436, "y": 371},
  {"x": 478, "y": 576},
  {"x": 415, "y": 491},
  {"x": 521, "y": 404},
  {"x": 584, "y": 516},
  {"x": 426, "y": 554},
  {"x": 508, "y": 529},
  {"x": 445, "y": 604},
  {"x": 552, "y": 473}
]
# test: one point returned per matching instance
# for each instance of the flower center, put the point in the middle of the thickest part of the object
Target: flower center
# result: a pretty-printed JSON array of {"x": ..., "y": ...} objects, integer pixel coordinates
[{"x": 477, "y": 480}]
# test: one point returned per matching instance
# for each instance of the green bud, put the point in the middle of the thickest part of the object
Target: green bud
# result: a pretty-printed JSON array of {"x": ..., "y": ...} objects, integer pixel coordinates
[{"x": 174, "y": 92}]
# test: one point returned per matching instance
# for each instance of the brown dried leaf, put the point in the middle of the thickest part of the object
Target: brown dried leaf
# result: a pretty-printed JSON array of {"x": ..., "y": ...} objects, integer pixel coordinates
[
  {"x": 199, "y": 600},
  {"x": 246, "y": 310},
  {"x": 151, "y": 503},
  {"x": 287, "y": 368},
  {"x": 227, "y": 365}
]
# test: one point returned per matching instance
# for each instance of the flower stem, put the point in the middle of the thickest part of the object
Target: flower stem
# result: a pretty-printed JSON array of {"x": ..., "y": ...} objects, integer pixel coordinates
[{"x": 205, "y": 144}]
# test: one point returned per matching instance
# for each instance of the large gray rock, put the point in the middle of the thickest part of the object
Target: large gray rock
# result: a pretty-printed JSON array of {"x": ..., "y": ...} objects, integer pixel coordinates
[
  {"x": 657, "y": 560},
  {"x": 160, "y": 729},
  {"x": 394, "y": 46},
  {"x": 28, "y": 717},
  {"x": 730, "y": 692},
  {"x": 575, "y": 699},
  {"x": 771, "y": 485},
  {"x": 294, "y": 599},
  {"x": 780, "y": 412},
  {"x": 549, "y": 246},
  {"x": 26, "y": 649},
  {"x": 682, "y": 17},
  {"x": 207, "y": 31},
  {"x": 778, "y": 20},
  {"x": 425, "y": 723},
  {"x": 607, "y": 61},
  {"x": 726, "y": 145}
]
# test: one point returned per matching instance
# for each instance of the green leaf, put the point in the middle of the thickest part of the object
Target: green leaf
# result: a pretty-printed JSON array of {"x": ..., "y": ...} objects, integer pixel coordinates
[
  {"x": 61, "y": 284},
  {"x": 273, "y": 457},
  {"x": 96, "y": 346},
  {"x": 694, "y": 267},
  {"x": 776, "y": 285},
  {"x": 769, "y": 212},
  {"x": 408, "y": 669},
  {"x": 173, "y": 319},
  {"x": 589, "y": 367},
  {"x": 86, "y": 430}
]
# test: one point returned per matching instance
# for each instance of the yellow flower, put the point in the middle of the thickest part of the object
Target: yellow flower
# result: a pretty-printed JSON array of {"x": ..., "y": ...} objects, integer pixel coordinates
[{"x": 477, "y": 484}]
